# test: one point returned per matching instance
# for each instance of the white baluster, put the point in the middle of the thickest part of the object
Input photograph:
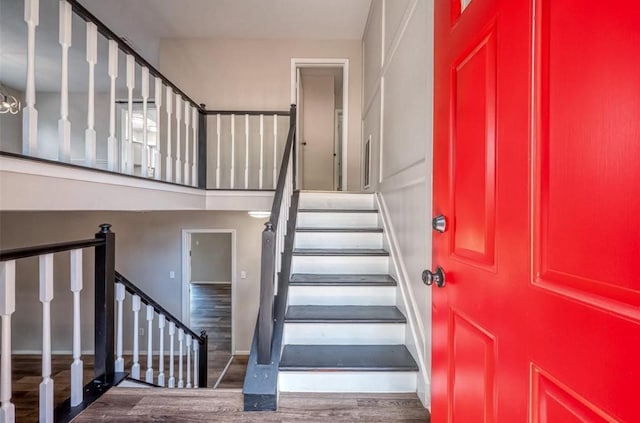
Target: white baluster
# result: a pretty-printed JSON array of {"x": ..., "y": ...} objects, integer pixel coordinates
[
  {"x": 194, "y": 162},
  {"x": 144, "y": 172},
  {"x": 64, "y": 126},
  {"x": 135, "y": 368},
  {"x": 218, "y": 151},
  {"x": 127, "y": 151},
  {"x": 76, "y": 367},
  {"x": 196, "y": 363},
  {"x": 169, "y": 163},
  {"x": 261, "y": 170},
  {"x": 187, "y": 124},
  {"x": 46, "y": 295},
  {"x": 188, "y": 342},
  {"x": 149, "y": 375},
  {"x": 275, "y": 151},
  {"x": 92, "y": 59},
  {"x": 246, "y": 151},
  {"x": 181, "y": 342},
  {"x": 233, "y": 151},
  {"x": 161, "y": 324},
  {"x": 157, "y": 172},
  {"x": 7, "y": 308},
  {"x": 112, "y": 142},
  {"x": 178, "y": 163},
  {"x": 172, "y": 331},
  {"x": 119, "y": 365},
  {"x": 29, "y": 112}
]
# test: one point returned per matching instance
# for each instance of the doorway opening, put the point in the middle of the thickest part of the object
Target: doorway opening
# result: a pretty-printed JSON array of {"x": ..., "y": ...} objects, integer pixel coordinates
[{"x": 319, "y": 88}]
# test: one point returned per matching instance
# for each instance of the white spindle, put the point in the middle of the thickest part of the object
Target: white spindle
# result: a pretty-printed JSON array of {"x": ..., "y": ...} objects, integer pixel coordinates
[
  {"x": 135, "y": 368},
  {"x": 233, "y": 151},
  {"x": 145, "y": 126},
  {"x": 64, "y": 126},
  {"x": 172, "y": 331},
  {"x": 157, "y": 171},
  {"x": 92, "y": 59},
  {"x": 196, "y": 363},
  {"x": 149, "y": 375},
  {"x": 218, "y": 151},
  {"x": 131, "y": 82},
  {"x": 275, "y": 150},
  {"x": 187, "y": 125},
  {"x": 178, "y": 163},
  {"x": 194, "y": 161},
  {"x": 46, "y": 295},
  {"x": 246, "y": 151},
  {"x": 112, "y": 142},
  {"x": 7, "y": 308},
  {"x": 119, "y": 304},
  {"x": 188, "y": 342},
  {"x": 169, "y": 163},
  {"x": 77, "y": 384},
  {"x": 181, "y": 342},
  {"x": 261, "y": 170},
  {"x": 29, "y": 112},
  {"x": 161, "y": 325}
]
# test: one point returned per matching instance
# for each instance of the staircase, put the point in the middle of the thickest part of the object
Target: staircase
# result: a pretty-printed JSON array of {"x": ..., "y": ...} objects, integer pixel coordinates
[{"x": 342, "y": 329}]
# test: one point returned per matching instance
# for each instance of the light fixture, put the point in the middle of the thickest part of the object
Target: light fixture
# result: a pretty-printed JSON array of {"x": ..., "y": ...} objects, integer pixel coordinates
[
  {"x": 8, "y": 103},
  {"x": 259, "y": 214}
]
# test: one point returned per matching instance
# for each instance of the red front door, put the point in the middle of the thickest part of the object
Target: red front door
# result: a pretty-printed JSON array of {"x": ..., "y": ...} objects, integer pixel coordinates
[{"x": 537, "y": 171}]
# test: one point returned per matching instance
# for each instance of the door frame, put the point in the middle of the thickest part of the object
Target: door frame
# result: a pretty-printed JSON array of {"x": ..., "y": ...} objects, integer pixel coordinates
[
  {"x": 299, "y": 63},
  {"x": 186, "y": 272}
]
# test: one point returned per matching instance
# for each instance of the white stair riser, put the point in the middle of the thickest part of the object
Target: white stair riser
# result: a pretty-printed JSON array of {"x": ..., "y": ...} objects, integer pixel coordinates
[
  {"x": 344, "y": 333},
  {"x": 337, "y": 220},
  {"x": 133, "y": 384},
  {"x": 346, "y": 265},
  {"x": 338, "y": 240},
  {"x": 323, "y": 200},
  {"x": 342, "y": 295},
  {"x": 331, "y": 381}
]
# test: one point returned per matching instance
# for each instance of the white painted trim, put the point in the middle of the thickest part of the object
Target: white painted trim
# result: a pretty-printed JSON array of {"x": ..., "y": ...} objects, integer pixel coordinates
[
  {"x": 414, "y": 323},
  {"x": 242, "y": 352},
  {"x": 297, "y": 63},
  {"x": 186, "y": 271}
]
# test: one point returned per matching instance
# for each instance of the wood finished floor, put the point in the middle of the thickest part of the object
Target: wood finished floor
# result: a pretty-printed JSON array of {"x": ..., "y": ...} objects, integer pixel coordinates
[{"x": 160, "y": 405}]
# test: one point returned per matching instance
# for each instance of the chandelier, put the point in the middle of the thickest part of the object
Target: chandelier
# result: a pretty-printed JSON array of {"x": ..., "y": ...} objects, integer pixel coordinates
[{"x": 8, "y": 103}]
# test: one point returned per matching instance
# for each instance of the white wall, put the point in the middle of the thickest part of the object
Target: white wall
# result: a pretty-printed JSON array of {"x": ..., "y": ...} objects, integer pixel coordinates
[
  {"x": 148, "y": 247},
  {"x": 397, "y": 113},
  {"x": 255, "y": 74}
]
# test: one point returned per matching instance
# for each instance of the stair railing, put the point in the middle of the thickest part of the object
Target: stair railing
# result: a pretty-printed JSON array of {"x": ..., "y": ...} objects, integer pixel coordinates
[{"x": 273, "y": 238}]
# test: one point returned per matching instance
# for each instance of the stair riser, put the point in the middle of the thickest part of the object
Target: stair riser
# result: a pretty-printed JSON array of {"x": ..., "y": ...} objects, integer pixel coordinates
[
  {"x": 344, "y": 333},
  {"x": 337, "y": 220},
  {"x": 342, "y": 295},
  {"x": 327, "y": 381},
  {"x": 338, "y": 240},
  {"x": 350, "y": 265},
  {"x": 336, "y": 201}
]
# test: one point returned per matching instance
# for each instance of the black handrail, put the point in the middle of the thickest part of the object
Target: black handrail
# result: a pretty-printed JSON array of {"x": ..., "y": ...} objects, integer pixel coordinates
[
  {"x": 282, "y": 176},
  {"x": 248, "y": 112},
  {"x": 18, "y": 253}
]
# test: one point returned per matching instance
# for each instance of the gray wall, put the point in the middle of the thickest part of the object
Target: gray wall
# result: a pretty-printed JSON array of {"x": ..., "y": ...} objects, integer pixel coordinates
[
  {"x": 211, "y": 257},
  {"x": 148, "y": 247},
  {"x": 11, "y": 126}
]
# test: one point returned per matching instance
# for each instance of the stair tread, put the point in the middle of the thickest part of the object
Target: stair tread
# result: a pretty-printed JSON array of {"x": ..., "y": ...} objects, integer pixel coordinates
[
  {"x": 347, "y": 358},
  {"x": 344, "y": 314},
  {"x": 377, "y": 230},
  {"x": 337, "y": 211},
  {"x": 340, "y": 252},
  {"x": 339, "y": 279}
]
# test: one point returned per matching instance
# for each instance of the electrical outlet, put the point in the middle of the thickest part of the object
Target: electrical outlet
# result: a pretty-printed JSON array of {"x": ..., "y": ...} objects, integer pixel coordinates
[
  {"x": 243, "y": 274},
  {"x": 172, "y": 275},
  {"x": 141, "y": 331}
]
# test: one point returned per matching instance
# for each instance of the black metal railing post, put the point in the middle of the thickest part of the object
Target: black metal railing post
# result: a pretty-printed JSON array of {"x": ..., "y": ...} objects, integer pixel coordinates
[
  {"x": 105, "y": 273},
  {"x": 203, "y": 359},
  {"x": 202, "y": 147},
  {"x": 265, "y": 316}
]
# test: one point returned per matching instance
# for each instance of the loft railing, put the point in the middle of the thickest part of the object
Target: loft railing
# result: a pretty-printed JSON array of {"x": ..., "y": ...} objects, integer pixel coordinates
[{"x": 110, "y": 287}]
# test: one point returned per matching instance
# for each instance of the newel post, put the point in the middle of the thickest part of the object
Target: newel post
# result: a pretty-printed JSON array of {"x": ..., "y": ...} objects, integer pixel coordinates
[
  {"x": 202, "y": 360},
  {"x": 105, "y": 274},
  {"x": 202, "y": 147},
  {"x": 293, "y": 124},
  {"x": 265, "y": 318}
]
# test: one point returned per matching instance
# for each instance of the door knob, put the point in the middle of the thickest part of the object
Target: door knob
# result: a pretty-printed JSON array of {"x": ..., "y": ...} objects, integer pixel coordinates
[
  {"x": 439, "y": 223},
  {"x": 437, "y": 277}
]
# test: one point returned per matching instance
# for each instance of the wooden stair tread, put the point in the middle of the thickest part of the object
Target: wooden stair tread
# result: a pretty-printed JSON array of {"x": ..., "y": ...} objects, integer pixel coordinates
[
  {"x": 375, "y": 358},
  {"x": 365, "y": 230},
  {"x": 344, "y": 314},
  {"x": 340, "y": 252},
  {"x": 338, "y": 279}
]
